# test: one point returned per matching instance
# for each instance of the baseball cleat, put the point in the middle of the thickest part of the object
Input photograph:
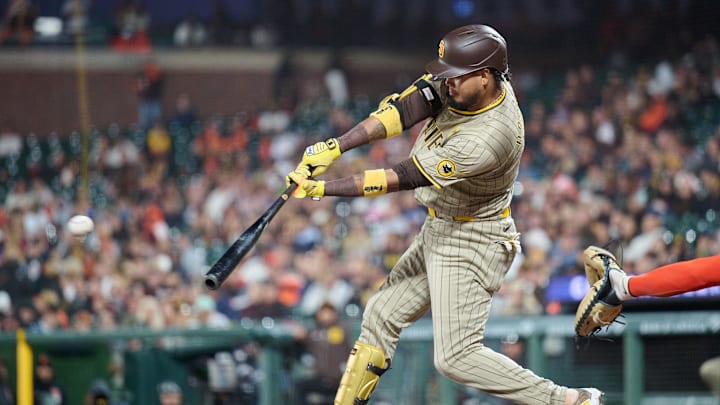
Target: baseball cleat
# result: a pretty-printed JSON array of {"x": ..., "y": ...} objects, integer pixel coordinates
[{"x": 589, "y": 396}]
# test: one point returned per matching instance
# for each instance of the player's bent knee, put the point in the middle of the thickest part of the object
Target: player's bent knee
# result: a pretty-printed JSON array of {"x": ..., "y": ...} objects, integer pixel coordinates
[
  {"x": 447, "y": 366},
  {"x": 363, "y": 370}
]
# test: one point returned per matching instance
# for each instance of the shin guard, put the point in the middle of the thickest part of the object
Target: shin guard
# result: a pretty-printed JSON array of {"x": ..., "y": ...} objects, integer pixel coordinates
[{"x": 362, "y": 372}]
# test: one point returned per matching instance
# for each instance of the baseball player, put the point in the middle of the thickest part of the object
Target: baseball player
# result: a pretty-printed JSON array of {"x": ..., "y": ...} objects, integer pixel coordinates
[
  {"x": 664, "y": 281},
  {"x": 610, "y": 286},
  {"x": 462, "y": 168}
]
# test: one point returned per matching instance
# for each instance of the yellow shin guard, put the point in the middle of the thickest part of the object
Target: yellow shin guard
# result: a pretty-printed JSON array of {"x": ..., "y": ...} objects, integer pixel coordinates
[{"x": 363, "y": 370}]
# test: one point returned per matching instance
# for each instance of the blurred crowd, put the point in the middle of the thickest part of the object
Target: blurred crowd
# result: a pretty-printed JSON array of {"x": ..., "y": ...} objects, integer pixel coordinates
[
  {"x": 621, "y": 152},
  {"x": 564, "y": 28}
]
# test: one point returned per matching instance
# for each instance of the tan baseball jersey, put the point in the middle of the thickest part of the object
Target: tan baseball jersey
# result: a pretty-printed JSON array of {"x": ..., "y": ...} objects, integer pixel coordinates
[{"x": 471, "y": 158}]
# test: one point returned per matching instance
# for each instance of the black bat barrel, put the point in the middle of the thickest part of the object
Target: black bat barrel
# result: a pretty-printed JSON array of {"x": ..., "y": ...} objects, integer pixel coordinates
[{"x": 223, "y": 267}]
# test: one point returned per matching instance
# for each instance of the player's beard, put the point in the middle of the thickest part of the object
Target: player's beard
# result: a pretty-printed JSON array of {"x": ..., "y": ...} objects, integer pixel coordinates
[{"x": 463, "y": 105}]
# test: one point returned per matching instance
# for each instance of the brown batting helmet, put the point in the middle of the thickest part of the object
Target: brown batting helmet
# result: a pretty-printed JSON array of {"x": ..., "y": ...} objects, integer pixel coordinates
[{"x": 467, "y": 49}]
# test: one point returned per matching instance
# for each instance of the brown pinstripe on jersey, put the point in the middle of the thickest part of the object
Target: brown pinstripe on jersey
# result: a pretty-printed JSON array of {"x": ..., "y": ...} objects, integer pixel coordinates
[{"x": 472, "y": 158}]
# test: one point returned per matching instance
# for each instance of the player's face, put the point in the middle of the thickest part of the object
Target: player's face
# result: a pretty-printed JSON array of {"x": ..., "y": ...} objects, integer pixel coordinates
[{"x": 467, "y": 92}]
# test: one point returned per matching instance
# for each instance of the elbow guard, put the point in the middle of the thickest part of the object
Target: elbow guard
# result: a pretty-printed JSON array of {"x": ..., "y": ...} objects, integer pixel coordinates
[
  {"x": 401, "y": 111},
  {"x": 389, "y": 116}
]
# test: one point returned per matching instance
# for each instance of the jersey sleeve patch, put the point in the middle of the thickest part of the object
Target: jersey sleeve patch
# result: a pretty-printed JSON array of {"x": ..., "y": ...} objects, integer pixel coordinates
[{"x": 446, "y": 168}]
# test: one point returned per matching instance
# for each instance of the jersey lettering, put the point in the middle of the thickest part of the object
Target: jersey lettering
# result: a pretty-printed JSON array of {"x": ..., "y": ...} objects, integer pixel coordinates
[{"x": 433, "y": 135}]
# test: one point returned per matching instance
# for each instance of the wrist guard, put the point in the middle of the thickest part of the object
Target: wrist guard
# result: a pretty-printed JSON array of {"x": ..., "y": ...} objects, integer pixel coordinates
[{"x": 374, "y": 183}]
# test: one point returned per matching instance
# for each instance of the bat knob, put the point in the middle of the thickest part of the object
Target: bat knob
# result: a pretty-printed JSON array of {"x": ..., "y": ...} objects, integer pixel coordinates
[{"x": 212, "y": 282}]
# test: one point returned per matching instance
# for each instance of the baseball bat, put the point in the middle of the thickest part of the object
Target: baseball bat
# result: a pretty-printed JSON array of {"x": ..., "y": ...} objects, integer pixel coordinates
[{"x": 225, "y": 265}]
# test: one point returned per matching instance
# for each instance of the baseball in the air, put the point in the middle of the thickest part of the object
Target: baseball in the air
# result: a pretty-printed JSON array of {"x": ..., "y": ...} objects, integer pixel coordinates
[{"x": 80, "y": 225}]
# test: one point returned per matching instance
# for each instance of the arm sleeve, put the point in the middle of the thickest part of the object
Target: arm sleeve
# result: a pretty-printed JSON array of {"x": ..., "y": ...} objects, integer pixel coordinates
[
  {"x": 409, "y": 176},
  {"x": 401, "y": 111},
  {"x": 422, "y": 103}
]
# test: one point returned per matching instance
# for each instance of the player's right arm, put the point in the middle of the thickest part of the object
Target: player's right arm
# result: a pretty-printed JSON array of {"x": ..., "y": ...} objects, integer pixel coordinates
[{"x": 395, "y": 113}]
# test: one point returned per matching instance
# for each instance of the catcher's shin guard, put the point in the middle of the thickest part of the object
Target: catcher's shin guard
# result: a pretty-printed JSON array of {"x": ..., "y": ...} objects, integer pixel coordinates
[{"x": 362, "y": 372}]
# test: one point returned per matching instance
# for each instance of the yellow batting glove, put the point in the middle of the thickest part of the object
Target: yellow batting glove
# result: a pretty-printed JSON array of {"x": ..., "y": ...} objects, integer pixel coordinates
[
  {"x": 318, "y": 157},
  {"x": 297, "y": 176},
  {"x": 314, "y": 189},
  {"x": 306, "y": 187}
]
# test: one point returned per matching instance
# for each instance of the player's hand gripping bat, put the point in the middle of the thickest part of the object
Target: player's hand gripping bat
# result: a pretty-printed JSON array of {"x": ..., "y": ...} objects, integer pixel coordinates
[{"x": 225, "y": 265}]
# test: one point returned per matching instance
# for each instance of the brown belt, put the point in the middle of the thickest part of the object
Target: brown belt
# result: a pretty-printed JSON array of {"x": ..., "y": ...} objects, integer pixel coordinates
[{"x": 504, "y": 214}]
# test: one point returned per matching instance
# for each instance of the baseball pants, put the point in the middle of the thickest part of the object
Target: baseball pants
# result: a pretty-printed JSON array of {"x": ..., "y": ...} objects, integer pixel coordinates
[{"x": 452, "y": 268}]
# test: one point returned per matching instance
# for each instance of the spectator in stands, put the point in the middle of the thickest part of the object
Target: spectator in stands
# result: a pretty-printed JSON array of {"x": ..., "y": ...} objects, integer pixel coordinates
[
  {"x": 190, "y": 32},
  {"x": 263, "y": 302},
  {"x": 144, "y": 307},
  {"x": 336, "y": 82},
  {"x": 11, "y": 143},
  {"x": 519, "y": 294},
  {"x": 285, "y": 87},
  {"x": 184, "y": 114},
  {"x": 149, "y": 90},
  {"x": 131, "y": 28},
  {"x": 209, "y": 145},
  {"x": 98, "y": 394},
  {"x": 7, "y": 394},
  {"x": 238, "y": 133},
  {"x": 119, "y": 158},
  {"x": 327, "y": 341},
  {"x": 19, "y": 21},
  {"x": 221, "y": 27},
  {"x": 159, "y": 143},
  {"x": 47, "y": 389},
  {"x": 206, "y": 314},
  {"x": 75, "y": 13},
  {"x": 647, "y": 244},
  {"x": 50, "y": 318},
  {"x": 324, "y": 285},
  {"x": 170, "y": 393}
]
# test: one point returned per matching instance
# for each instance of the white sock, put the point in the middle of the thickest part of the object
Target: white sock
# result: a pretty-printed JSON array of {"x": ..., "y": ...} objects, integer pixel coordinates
[{"x": 619, "y": 281}]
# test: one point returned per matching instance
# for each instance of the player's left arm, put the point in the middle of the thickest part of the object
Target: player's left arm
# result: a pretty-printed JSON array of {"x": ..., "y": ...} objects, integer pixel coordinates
[
  {"x": 460, "y": 157},
  {"x": 370, "y": 183},
  {"x": 395, "y": 113}
]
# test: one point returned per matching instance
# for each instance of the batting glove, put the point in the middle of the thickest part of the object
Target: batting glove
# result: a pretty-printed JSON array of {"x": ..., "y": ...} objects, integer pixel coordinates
[
  {"x": 306, "y": 187},
  {"x": 297, "y": 176},
  {"x": 318, "y": 157}
]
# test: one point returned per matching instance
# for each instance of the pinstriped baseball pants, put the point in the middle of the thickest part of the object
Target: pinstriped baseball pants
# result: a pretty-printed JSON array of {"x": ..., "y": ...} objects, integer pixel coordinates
[{"x": 452, "y": 268}]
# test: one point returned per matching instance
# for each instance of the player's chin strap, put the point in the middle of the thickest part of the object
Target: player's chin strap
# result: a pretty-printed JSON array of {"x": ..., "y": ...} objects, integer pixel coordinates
[{"x": 363, "y": 370}]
